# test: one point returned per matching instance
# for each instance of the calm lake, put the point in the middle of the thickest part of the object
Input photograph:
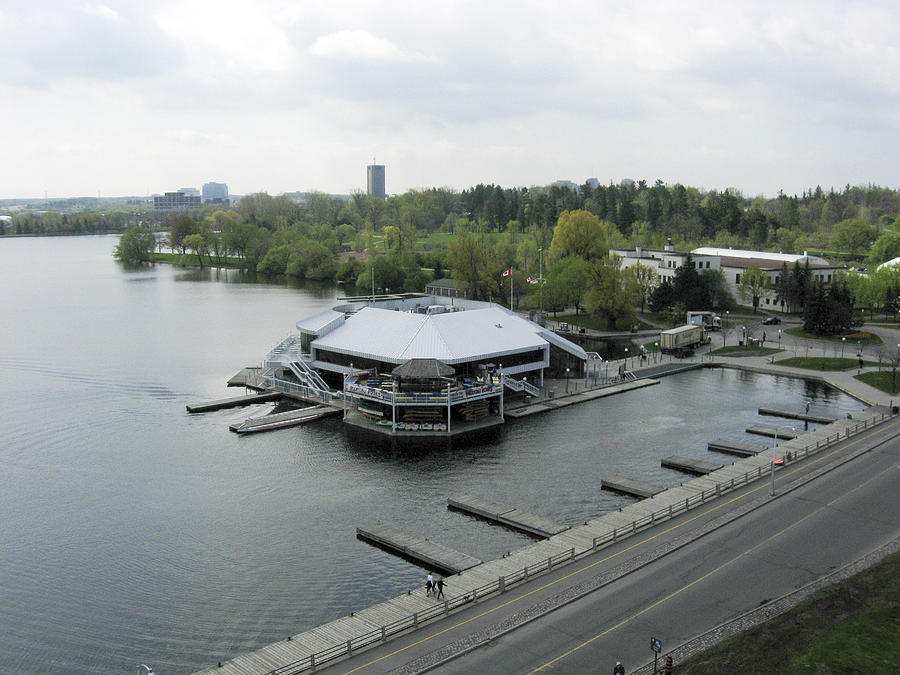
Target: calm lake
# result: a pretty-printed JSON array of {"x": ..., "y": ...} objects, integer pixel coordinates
[{"x": 132, "y": 532}]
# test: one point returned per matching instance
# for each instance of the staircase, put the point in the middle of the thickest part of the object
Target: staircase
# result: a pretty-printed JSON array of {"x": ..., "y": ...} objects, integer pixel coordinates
[{"x": 521, "y": 385}]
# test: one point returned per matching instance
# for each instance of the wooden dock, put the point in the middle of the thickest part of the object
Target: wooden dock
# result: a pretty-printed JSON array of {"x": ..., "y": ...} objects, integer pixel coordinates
[
  {"x": 690, "y": 465},
  {"x": 523, "y": 521},
  {"x": 735, "y": 447},
  {"x": 790, "y": 414},
  {"x": 234, "y": 402},
  {"x": 416, "y": 548},
  {"x": 286, "y": 419},
  {"x": 627, "y": 486},
  {"x": 772, "y": 432}
]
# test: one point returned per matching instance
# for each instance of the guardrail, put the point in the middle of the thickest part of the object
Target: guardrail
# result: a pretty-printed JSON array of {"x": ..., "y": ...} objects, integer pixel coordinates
[
  {"x": 436, "y": 398},
  {"x": 414, "y": 620}
]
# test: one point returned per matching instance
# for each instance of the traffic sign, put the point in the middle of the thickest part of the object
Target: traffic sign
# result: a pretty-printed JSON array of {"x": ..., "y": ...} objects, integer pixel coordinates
[{"x": 655, "y": 645}]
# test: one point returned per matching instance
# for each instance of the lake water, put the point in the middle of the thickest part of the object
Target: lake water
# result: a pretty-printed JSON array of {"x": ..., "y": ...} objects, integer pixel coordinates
[{"x": 132, "y": 532}]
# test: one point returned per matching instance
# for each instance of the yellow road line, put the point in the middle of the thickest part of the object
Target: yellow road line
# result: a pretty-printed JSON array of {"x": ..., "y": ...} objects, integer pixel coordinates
[
  {"x": 711, "y": 572},
  {"x": 598, "y": 562}
]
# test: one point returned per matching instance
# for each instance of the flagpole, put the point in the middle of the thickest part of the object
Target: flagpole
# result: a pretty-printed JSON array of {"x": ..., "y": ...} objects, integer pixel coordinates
[{"x": 510, "y": 290}]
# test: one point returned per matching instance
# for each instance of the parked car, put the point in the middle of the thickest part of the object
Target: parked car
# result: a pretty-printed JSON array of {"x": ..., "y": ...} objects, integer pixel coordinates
[{"x": 771, "y": 321}]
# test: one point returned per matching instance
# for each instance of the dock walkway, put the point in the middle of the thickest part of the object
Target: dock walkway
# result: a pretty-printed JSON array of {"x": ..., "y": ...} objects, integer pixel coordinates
[
  {"x": 343, "y": 636},
  {"x": 233, "y": 402},
  {"x": 790, "y": 414},
  {"x": 735, "y": 447},
  {"x": 529, "y": 523},
  {"x": 689, "y": 464},
  {"x": 628, "y": 486},
  {"x": 772, "y": 432},
  {"x": 418, "y": 548}
]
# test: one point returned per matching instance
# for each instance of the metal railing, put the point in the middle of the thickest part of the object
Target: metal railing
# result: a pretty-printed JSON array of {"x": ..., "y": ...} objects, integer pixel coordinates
[
  {"x": 435, "y": 398},
  {"x": 287, "y": 387},
  {"x": 381, "y": 634}
]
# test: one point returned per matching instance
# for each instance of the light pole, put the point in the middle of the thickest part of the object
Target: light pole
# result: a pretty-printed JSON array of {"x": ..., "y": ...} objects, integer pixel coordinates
[
  {"x": 843, "y": 340},
  {"x": 567, "y": 380},
  {"x": 626, "y": 357},
  {"x": 657, "y": 352},
  {"x": 541, "y": 281},
  {"x": 774, "y": 447},
  {"x": 725, "y": 330},
  {"x": 779, "y": 339}
]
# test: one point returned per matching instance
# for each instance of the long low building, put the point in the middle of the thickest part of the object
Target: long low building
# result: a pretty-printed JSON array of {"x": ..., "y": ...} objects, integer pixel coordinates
[{"x": 465, "y": 351}]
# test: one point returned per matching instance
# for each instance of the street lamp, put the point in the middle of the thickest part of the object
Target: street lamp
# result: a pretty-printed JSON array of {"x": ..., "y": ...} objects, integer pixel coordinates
[
  {"x": 626, "y": 356},
  {"x": 541, "y": 281},
  {"x": 725, "y": 330},
  {"x": 657, "y": 352},
  {"x": 779, "y": 339},
  {"x": 774, "y": 447},
  {"x": 567, "y": 380},
  {"x": 843, "y": 340}
]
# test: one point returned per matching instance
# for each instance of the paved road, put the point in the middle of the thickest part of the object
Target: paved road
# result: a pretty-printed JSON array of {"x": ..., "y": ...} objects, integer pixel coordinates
[{"x": 783, "y": 544}]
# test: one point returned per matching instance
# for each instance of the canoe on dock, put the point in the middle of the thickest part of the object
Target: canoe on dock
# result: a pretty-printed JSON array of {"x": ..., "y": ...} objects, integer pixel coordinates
[
  {"x": 735, "y": 447},
  {"x": 529, "y": 523},
  {"x": 772, "y": 432},
  {"x": 790, "y": 414},
  {"x": 234, "y": 402},
  {"x": 627, "y": 486},
  {"x": 285, "y": 419},
  {"x": 690, "y": 465},
  {"x": 417, "y": 548}
]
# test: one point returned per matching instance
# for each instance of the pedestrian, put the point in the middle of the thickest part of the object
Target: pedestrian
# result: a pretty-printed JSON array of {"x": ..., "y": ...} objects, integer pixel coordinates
[
  {"x": 429, "y": 584},
  {"x": 440, "y": 587},
  {"x": 619, "y": 669},
  {"x": 764, "y": 338}
]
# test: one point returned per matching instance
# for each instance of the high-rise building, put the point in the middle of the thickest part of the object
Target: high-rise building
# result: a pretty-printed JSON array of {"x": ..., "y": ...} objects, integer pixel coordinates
[
  {"x": 375, "y": 181},
  {"x": 176, "y": 201},
  {"x": 217, "y": 193}
]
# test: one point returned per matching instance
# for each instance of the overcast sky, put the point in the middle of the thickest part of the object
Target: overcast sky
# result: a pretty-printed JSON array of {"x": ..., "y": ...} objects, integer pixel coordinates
[{"x": 132, "y": 98}]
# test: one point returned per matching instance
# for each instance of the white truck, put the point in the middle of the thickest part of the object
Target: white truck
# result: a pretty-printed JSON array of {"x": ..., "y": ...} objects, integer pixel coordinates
[
  {"x": 683, "y": 339},
  {"x": 709, "y": 320}
]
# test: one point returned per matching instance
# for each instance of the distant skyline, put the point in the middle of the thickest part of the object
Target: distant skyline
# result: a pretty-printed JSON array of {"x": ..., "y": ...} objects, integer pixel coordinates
[{"x": 129, "y": 98}]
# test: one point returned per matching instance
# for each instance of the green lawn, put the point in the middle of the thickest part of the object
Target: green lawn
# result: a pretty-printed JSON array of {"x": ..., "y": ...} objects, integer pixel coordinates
[
  {"x": 600, "y": 323},
  {"x": 732, "y": 350},
  {"x": 885, "y": 380},
  {"x": 851, "y": 627},
  {"x": 862, "y": 337},
  {"x": 823, "y": 363}
]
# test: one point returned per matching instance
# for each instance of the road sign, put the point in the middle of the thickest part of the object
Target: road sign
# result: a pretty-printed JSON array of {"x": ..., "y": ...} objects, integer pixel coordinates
[{"x": 655, "y": 645}]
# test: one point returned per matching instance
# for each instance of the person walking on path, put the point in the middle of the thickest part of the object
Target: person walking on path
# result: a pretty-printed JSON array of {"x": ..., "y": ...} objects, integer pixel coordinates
[
  {"x": 619, "y": 669},
  {"x": 429, "y": 584},
  {"x": 440, "y": 587}
]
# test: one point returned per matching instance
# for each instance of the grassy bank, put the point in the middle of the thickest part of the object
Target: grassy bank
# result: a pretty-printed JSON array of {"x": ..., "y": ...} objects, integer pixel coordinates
[{"x": 851, "y": 627}]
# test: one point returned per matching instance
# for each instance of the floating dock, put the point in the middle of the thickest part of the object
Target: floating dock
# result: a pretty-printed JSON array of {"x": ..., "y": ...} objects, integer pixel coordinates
[
  {"x": 690, "y": 465},
  {"x": 285, "y": 419},
  {"x": 507, "y": 515},
  {"x": 627, "y": 486},
  {"x": 416, "y": 548},
  {"x": 772, "y": 432},
  {"x": 234, "y": 402},
  {"x": 789, "y": 414},
  {"x": 735, "y": 447}
]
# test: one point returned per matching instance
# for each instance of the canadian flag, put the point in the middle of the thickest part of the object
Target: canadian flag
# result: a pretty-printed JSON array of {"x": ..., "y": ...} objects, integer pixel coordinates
[
  {"x": 531, "y": 280},
  {"x": 506, "y": 272}
]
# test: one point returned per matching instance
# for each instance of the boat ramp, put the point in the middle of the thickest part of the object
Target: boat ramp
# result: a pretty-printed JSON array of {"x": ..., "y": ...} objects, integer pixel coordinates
[{"x": 282, "y": 420}]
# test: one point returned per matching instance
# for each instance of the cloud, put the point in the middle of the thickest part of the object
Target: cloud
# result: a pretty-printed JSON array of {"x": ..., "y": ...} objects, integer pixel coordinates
[
  {"x": 102, "y": 11},
  {"x": 359, "y": 45}
]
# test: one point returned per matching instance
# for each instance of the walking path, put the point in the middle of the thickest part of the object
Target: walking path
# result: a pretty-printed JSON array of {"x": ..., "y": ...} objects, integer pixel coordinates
[{"x": 344, "y": 636}]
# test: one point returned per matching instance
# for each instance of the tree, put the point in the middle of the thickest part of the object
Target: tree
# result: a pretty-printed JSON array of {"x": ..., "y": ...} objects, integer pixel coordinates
[
  {"x": 579, "y": 233},
  {"x": 886, "y": 247},
  {"x": 614, "y": 292},
  {"x": 853, "y": 234},
  {"x": 646, "y": 280},
  {"x": 568, "y": 280},
  {"x": 197, "y": 244},
  {"x": 752, "y": 285},
  {"x": 136, "y": 245},
  {"x": 467, "y": 258}
]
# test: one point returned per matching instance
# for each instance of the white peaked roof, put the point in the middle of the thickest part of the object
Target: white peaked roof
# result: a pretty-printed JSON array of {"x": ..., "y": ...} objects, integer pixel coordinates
[{"x": 452, "y": 337}]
